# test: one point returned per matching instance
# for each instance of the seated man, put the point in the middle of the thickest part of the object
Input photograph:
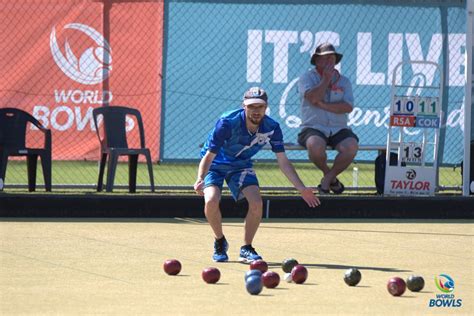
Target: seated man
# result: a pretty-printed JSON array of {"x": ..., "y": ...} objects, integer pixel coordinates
[{"x": 326, "y": 98}]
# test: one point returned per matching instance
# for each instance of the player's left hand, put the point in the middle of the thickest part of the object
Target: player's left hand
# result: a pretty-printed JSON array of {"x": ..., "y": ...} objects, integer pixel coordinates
[{"x": 308, "y": 196}]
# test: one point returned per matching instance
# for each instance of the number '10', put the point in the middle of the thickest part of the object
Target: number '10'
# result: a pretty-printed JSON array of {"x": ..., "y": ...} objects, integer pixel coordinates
[{"x": 409, "y": 106}]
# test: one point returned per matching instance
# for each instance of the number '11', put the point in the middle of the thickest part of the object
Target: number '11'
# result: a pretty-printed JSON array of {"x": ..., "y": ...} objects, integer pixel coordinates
[{"x": 433, "y": 106}]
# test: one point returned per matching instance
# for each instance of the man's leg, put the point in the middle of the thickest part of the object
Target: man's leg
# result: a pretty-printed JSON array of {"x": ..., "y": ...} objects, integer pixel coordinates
[
  {"x": 347, "y": 150},
  {"x": 316, "y": 146},
  {"x": 254, "y": 214},
  {"x": 212, "y": 196}
]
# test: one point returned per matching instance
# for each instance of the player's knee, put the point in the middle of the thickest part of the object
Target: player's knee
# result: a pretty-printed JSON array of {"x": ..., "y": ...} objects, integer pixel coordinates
[
  {"x": 212, "y": 202},
  {"x": 256, "y": 206}
]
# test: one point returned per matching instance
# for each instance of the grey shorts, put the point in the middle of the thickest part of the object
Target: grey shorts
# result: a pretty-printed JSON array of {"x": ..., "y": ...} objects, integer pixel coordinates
[{"x": 332, "y": 140}]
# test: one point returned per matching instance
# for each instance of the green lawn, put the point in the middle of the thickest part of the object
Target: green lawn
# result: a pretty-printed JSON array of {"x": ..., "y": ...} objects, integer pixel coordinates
[{"x": 184, "y": 174}]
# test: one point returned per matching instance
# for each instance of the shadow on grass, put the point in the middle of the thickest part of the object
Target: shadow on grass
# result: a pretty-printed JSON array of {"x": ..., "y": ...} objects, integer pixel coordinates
[
  {"x": 365, "y": 231},
  {"x": 340, "y": 267},
  {"x": 345, "y": 267}
]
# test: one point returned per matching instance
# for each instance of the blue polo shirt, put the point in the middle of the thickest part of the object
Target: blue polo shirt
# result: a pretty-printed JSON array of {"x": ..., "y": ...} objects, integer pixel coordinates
[{"x": 234, "y": 145}]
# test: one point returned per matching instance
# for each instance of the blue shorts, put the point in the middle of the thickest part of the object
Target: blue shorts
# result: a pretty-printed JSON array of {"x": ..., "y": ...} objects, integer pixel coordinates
[{"x": 236, "y": 180}]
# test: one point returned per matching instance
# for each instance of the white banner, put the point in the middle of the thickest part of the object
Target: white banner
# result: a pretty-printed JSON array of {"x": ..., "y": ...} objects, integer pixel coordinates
[{"x": 410, "y": 181}]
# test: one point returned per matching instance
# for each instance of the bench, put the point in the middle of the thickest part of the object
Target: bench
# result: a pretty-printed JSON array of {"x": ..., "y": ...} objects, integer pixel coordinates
[{"x": 295, "y": 146}]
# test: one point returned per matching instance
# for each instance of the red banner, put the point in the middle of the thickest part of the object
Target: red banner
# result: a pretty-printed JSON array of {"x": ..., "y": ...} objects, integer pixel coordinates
[
  {"x": 402, "y": 120},
  {"x": 61, "y": 59}
]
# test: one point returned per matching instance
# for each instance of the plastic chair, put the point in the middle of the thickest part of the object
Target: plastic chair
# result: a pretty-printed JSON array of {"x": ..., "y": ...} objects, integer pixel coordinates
[
  {"x": 113, "y": 142},
  {"x": 13, "y": 125}
]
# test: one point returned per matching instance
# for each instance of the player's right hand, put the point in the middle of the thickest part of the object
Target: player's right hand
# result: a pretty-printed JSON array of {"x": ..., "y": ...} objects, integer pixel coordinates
[{"x": 199, "y": 186}]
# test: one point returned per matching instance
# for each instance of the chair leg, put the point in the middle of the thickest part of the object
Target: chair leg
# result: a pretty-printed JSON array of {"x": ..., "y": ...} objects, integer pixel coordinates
[
  {"x": 111, "y": 167},
  {"x": 150, "y": 170},
  {"x": 132, "y": 173},
  {"x": 32, "y": 161},
  {"x": 46, "y": 164},
  {"x": 3, "y": 167},
  {"x": 100, "y": 181}
]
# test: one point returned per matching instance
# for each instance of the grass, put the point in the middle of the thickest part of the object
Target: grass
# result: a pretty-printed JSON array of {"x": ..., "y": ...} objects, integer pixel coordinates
[{"x": 84, "y": 173}]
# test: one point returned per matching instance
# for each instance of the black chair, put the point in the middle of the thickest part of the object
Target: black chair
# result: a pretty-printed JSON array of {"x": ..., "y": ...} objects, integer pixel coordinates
[
  {"x": 113, "y": 142},
  {"x": 13, "y": 125}
]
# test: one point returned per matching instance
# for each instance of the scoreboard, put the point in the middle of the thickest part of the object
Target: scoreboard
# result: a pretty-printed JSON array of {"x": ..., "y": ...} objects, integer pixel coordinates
[
  {"x": 421, "y": 112},
  {"x": 414, "y": 105}
]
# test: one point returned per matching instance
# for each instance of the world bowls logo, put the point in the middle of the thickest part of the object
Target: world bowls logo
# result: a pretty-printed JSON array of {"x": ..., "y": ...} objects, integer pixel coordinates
[
  {"x": 94, "y": 64},
  {"x": 444, "y": 283}
]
